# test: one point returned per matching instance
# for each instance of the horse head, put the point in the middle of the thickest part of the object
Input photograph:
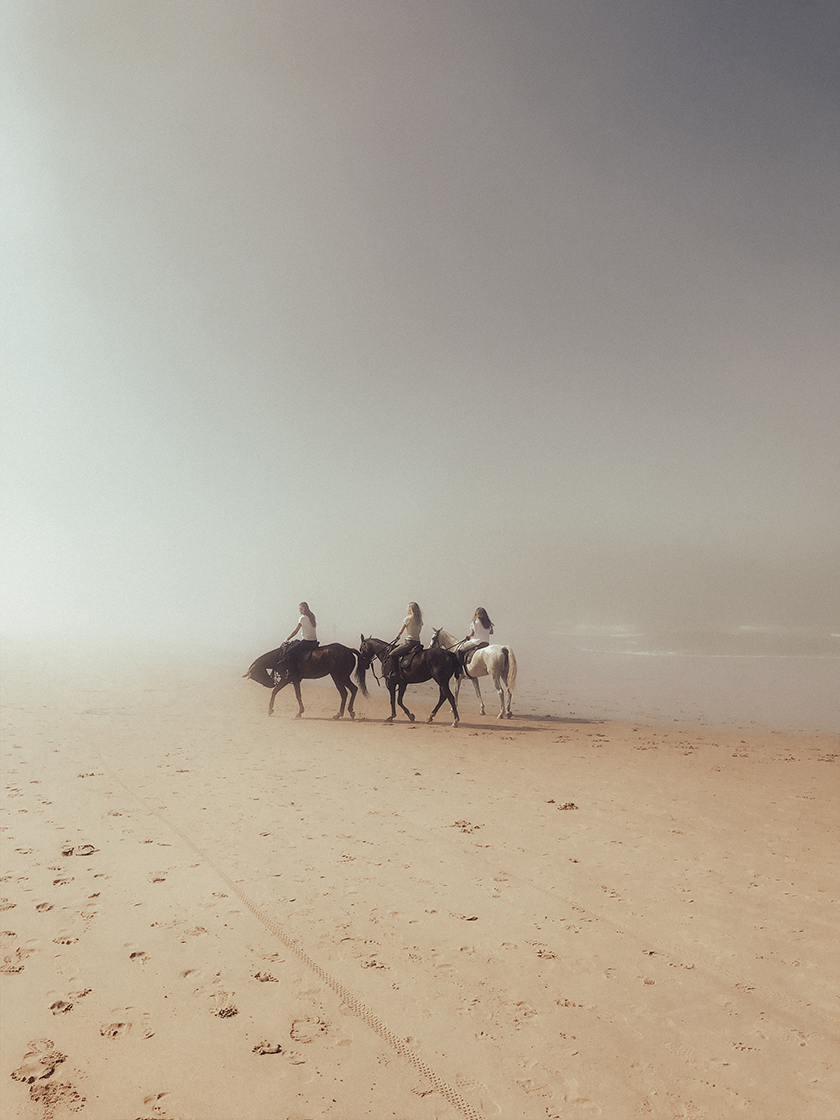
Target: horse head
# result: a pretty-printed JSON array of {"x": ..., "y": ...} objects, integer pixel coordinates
[
  {"x": 443, "y": 639},
  {"x": 366, "y": 652},
  {"x": 263, "y": 669}
]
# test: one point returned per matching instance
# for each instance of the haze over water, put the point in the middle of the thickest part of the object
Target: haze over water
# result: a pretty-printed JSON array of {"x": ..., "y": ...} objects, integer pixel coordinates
[{"x": 530, "y": 305}]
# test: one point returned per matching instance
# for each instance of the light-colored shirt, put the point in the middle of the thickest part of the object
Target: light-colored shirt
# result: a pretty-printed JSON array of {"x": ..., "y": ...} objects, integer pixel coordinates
[
  {"x": 479, "y": 632},
  {"x": 413, "y": 626},
  {"x": 307, "y": 630}
]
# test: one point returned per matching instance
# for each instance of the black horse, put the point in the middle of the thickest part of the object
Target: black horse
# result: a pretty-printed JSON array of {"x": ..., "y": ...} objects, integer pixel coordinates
[
  {"x": 334, "y": 660},
  {"x": 426, "y": 664}
]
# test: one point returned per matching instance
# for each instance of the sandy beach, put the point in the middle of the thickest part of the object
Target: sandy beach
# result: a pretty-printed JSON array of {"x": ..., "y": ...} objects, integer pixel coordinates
[{"x": 210, "y": 914}]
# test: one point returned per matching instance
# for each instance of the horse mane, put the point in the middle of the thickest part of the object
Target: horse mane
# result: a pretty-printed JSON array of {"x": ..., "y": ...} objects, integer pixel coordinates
[{"x": 447, "y": 640}]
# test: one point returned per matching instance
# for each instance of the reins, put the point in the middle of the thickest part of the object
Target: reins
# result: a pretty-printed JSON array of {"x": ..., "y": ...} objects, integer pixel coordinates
[{"x": 383, "y": 653}]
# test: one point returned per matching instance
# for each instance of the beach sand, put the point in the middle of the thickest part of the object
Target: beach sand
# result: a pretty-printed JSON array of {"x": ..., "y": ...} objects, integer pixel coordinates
[{"x": 209, "y": 913}]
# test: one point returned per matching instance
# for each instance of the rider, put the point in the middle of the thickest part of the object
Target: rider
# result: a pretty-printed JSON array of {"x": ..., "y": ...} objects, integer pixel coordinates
[
  {"x": 481, "y": 630},
  {"x": 298, "y": 650},
  {"x": 412, "y": 625}
]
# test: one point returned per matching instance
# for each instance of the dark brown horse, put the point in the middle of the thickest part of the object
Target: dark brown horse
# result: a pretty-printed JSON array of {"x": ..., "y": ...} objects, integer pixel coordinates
[
  {"x": 334, "y": 660},
  {"x": 434, "y": 664}
]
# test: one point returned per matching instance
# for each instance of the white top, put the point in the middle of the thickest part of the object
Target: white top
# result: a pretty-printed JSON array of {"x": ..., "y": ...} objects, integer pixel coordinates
[
  {"x": 307, "y": 630},
  {"x": 413, "y": 626},
  {"x": 479, "y": 632}
]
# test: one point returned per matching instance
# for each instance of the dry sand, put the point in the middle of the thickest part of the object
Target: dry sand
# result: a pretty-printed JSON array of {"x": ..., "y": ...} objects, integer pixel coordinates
[{"x": 209, "y": 914}]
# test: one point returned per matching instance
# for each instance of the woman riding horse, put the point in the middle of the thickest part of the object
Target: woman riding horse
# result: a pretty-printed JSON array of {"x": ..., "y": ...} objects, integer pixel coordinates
[
  {"x": 296, "y": 652},
  {"x": 412, "y": 625}
]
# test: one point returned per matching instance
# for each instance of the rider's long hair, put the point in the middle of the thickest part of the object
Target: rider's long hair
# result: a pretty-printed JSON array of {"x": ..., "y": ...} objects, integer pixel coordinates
[
  {"x": 304, "y": 609},
  {"x": 482, "y": 616},
  {"x": 415, "y": 610}
]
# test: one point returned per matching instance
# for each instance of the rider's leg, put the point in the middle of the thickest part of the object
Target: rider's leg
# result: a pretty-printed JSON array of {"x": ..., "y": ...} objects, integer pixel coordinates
[{"x": 398, "y": 653}]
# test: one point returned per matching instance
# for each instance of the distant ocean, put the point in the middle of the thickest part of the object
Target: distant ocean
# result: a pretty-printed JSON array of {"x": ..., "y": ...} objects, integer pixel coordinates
[{"x": 748, "y": 677}]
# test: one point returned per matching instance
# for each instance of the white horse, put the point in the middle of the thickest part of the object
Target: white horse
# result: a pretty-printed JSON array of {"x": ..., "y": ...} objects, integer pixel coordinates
[{"x": 497, "y": 662}]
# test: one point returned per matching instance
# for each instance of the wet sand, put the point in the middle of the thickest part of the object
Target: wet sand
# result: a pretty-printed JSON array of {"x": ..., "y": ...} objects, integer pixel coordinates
[{"x": 208, "y": 913}]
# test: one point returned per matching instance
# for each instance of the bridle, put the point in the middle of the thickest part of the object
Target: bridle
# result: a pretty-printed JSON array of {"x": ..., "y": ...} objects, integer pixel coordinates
[{"x": 380, "y": 656}]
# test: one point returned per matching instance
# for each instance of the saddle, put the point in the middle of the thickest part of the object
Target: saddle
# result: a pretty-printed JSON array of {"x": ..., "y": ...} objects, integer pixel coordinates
[
  {"x": 407, "y": 658},
  {"x": 465, "y": 656},
  {"x": 284, "y": 666}
]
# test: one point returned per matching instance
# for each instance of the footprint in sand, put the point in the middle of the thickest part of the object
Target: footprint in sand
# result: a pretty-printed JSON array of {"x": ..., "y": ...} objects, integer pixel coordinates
[
  {"x": 65, "y": 937},
  {"x": 226, "y": 1010},
  {"x": 268, "y": 1048},
  {"x": 12, "y": 955},
  {"x": 13, "y": 960},
  {"x": 54, "y": 1096},
  {"x": 307, "y": 1030},
  {"x": 43, "y": 907},
  {"x": 293, "y": 1056},
  {"x": 154, "y": 1098},
  {"x": 221, "y": 1003},
  {"x": 481, "y": 1094},
  {"x": 573, "y": 1096},
  {"x": 123, "y": 1020},
  {"x": 39, "y": 1062}
]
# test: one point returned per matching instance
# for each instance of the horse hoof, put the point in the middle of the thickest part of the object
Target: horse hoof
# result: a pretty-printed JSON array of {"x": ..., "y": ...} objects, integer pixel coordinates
[
  {"x": 352, "y": 715},
  {"x": 429, "y": 720},
  {"x": 337, "y": 716},
  {"x": 298, "y": 715},
  {"x": 455, "y": 723},
  {"x": 410, "y": 718},
  {"x": 390, "y": 719}
]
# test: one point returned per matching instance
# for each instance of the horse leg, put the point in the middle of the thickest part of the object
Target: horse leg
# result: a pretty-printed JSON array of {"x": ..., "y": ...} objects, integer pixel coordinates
[
  {"x": 508, "y": 712},
  {"x": 277, "y": 688},
  {"x": 497, "y": 681},
  {"x": 392, "y": 692},
  {"x": 478, "y": 694},
  {"x": 342, "y": 692},
  {"x": 344, "y": 685},
  {"x": 301, "y": 709},
  {"x": 445, "y": 694},
  {"x": 353, "y": 690},
  {"x": 400, "y": 695}
]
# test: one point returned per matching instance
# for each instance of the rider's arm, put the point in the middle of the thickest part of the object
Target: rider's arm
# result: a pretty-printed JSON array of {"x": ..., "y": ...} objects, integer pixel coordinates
[{"x": 293, "y": 633}]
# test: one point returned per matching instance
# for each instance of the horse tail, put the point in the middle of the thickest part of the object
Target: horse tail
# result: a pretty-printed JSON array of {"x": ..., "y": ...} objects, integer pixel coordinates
[
  {"x": 510, "y": 668},
  {"x": 360, "y": 673}
]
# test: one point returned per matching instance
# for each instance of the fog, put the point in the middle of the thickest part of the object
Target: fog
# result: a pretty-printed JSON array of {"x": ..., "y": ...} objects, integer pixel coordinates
[{"x": 532, "y": 305}]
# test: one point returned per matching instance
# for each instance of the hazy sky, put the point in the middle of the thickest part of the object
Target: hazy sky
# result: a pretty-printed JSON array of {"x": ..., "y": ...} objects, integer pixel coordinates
[{"x": 531, "y": 304}]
